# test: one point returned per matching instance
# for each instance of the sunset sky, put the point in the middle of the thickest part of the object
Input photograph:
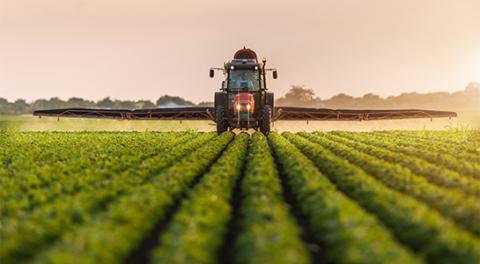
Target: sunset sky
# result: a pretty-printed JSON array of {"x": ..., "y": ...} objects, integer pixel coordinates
[{"x": 143, "y": 49}]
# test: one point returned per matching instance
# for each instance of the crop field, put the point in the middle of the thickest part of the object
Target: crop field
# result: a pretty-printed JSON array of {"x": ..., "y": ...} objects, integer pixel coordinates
[{"x": 198, "y": 197}]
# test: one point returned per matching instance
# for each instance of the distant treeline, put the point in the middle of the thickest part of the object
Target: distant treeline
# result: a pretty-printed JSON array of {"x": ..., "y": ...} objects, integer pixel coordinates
[
  {"x": 296, "y": 96},
  {"x": 468, "y": 98}
]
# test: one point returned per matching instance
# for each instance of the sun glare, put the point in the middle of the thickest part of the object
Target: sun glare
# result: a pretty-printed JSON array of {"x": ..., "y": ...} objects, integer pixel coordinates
[
  {"x": 476, "y": 71},
  {"x": 475, "y": 68}
]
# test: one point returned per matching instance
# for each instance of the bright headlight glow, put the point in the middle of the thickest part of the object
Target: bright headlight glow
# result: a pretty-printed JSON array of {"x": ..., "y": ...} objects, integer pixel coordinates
[
  {"x": 238, "y": 107},
  {"x": 248, "y": 107},
  {"x": 232, "y": 68}
]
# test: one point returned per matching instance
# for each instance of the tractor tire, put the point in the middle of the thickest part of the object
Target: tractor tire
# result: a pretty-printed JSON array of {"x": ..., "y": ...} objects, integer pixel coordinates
[
  {"x": 270, "y": 100},
  {"x": 220, "y": 119},
  {"x": 265, "y": 118},
  {"x": 220, "y": 99}
]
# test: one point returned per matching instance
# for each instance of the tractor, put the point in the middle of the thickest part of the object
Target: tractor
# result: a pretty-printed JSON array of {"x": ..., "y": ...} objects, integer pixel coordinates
[{"x": 243, "y": 101}]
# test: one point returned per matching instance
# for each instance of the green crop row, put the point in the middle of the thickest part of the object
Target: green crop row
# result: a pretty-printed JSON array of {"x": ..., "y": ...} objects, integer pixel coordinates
[
  {"x": 266, "y": 231},
  {"x": 111, "y": 236},
  {"x": 86, "y": 173},
  {"x": 463, "y": 167},
  {"x": 413, "y": 223},
  {"x": 464, "y": 140},
  {"x": 22, "y": 233},
  {"x": 55, "y": 149},
  {"x": 111, "y": 183},
  {"x": 196, "y": 232},
  {"x": 451, "y": 203},
  {"x": 433, "y": 173},
  {"x": 460, "y": 152},
  {"x": 456, "y": 151},
  {"x": 42, "y": 150},
  {"x": 345, "y": 230},
  {"x": 56, "y": 158}
]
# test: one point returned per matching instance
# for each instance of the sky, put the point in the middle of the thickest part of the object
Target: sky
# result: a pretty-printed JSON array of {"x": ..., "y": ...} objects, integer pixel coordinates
[{"x": 142, "y": 49}]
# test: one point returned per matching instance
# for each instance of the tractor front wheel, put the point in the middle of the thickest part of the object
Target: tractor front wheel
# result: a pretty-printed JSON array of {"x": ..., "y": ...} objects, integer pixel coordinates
[
  {"x": 265, "y": 118},
  {"x": 220, "y": 119}
]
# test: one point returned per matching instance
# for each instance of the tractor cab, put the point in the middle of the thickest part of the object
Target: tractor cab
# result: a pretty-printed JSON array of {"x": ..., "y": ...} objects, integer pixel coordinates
[
  {"x": 243, "y": 101},
  {"x": 243, "y": 75}
]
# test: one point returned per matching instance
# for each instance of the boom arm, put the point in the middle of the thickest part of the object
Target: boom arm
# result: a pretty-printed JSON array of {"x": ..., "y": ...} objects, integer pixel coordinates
[
  {"x": 325, "y": 114},
  {"x": 180, "y": 113},
  {"x": 279, "y": 113}
]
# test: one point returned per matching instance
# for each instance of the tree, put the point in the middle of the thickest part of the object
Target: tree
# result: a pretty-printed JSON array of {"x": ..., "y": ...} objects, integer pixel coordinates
[
  {"x": 341, "y": 100},
  {"x": 40, "y": 104},
  {"x": 142, "y": 104},
  {"x": 124, "y": 104},
  {"x": 106, "y": 102},
  {"x": 21, "y": 107},
  {"x": 298, "y": 95},
  {"x": 56, "y": 102},
  {"x": 370, "y": 100},
  {"x": 5, "y": 107},
  {"x": 80, "y": 102},
  {"x": 167, "y": 99}
]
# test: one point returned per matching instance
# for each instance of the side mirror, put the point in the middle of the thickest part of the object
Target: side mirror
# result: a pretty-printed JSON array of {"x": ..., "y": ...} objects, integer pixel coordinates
[
  {"x": 212, "y": 73},
  {"x": 275, "y": 74}
]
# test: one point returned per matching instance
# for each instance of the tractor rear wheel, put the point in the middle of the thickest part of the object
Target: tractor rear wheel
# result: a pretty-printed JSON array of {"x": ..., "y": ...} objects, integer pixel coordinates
[
  {"x": 265, "y": 118},
  {"x": 220, "y": 119}
]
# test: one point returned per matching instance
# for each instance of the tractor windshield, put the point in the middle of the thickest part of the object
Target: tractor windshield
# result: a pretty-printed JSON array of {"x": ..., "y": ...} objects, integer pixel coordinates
[{"x": 244, "y": 80}]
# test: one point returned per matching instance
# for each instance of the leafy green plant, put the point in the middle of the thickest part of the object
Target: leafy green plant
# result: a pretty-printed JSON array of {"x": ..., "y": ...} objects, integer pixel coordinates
[
  {"x": 111, "y": 236},
  {"x": 266, "y": 232},
  {"x": 432, "y": 172},
  {"x": 197, "y": 230},
  {"x": 348, "y": 233},
  {"x": 110, "y": 156},
  {"x": 24, "y": 233},
  {"x": 429, "y": 153},
  {"x": 413, "y": 223},
  {"x": 451, "y": 203}
]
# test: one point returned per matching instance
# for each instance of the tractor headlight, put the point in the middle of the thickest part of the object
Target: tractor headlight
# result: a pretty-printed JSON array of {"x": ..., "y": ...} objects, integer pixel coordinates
[
  {"x": 232, "y": 68},
  {"x": 249, "y": 107},
  {"x": 238, "y": 107}
]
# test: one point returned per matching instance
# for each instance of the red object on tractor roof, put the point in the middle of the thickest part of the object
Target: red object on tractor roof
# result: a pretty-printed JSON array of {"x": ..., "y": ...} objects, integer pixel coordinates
[{"x": 245, "y": 53}]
